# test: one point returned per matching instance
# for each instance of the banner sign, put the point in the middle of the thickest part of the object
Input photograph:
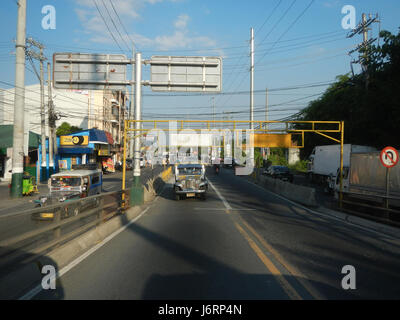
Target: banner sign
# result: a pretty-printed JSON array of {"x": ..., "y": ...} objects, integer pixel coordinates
[{"x": 74, "y": 140}]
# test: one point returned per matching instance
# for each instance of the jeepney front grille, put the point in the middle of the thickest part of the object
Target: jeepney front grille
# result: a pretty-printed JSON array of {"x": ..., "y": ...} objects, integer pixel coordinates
[{"x": 191, "y": 184}]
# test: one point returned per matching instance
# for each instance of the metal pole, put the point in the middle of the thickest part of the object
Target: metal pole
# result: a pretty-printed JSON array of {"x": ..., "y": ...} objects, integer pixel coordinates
[
  {"x": 341, "y": 165},
  {"x": 131, "y": 110},
  {"x": 251, "y": 78},
  {"x": 51, "y": 121},
  {"x": 138, "y": 98},
  {"x": 124, "y": 162},
  {"x": 43, "y": 169},
  {"x": 387, "y": 188},
  {"x": 365, "y": 43},
  {"x": 252, "y": 91},
  {"x": 19, "y": 104}
]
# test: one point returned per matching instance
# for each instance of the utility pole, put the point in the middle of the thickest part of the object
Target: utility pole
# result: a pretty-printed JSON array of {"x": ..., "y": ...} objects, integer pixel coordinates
[
  {"x": 266, "y": 150},
  {"x": 41, "y": 58},
  {"x": 363, "y": 29},
  {"x": 52, "y": 123},
  {"x": 19, "y": 104},
  {"x": 138, "y": 98},
  {"x": 132, "y": 108},
  {"x": 252, "y": 90},
  {"x": 213, "y": 110}
]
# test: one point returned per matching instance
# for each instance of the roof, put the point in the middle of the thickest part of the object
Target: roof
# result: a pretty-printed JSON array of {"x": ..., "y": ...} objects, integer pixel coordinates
[
  {"x": 7, "y": 134},
  {"x": 96, "y": 136},
  {"x": 77, "y": 173},
  {"x": 188, "y": 165}
]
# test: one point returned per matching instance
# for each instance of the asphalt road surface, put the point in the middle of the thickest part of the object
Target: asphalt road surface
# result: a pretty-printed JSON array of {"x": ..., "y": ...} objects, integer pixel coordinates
[
  {"x": 13, "y": 222},
  {"x": 241, "y": 243}
]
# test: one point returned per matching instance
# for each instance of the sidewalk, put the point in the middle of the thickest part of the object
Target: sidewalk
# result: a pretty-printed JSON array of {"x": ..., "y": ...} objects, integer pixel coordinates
[{"x": 7, "y": 202}]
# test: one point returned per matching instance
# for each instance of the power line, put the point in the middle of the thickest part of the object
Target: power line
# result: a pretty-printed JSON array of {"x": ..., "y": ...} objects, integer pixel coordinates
[
  {"x": 266, "y": 20},
  {"x": 123, "y": 26},
  {"x": 109, "y": 31},
  {"x": 112, "y": 20},
  {"x": 290, "y": 26}
]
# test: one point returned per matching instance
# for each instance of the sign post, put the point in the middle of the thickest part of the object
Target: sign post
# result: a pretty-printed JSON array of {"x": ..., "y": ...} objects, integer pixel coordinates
[
  {"x": 389, "y": 158},
  {"x": 83, "y": 71}
]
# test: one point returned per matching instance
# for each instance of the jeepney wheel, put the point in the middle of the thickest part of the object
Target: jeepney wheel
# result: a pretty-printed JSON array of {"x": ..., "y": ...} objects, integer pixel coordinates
[
  {"x": 177, "y": 197},
  {"x": 203, "y": 196}
]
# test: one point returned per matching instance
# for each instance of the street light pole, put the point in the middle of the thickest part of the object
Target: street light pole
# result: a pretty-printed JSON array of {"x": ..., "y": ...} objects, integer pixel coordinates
[{"x": 19, "y": 104}]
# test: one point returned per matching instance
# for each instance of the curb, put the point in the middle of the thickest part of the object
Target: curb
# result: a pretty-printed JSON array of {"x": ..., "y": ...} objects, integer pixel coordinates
[{"x": 371, "y": 226}]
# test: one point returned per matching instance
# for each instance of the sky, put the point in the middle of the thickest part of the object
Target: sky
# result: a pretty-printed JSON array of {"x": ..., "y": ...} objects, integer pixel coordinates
[{"x": 298, "y": 44}]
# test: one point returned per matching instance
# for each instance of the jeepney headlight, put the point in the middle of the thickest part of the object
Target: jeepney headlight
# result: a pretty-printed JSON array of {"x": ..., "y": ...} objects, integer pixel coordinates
[
  {"x": 63, "y": 199},
  {"x": 43, "y": 199}
]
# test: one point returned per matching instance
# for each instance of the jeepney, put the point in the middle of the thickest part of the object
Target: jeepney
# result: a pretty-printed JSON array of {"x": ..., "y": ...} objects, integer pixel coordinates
[
  {"x": 71, "y": 185},
  {"x": 190, "y": 181}
]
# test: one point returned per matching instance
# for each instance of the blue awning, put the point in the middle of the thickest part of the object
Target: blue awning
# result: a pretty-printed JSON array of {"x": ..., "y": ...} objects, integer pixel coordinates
[{"x": 75, "y": 150}]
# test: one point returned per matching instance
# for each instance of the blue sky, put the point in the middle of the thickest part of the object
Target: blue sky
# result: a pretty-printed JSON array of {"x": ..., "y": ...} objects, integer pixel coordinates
[{"x": 292, "y": 48}]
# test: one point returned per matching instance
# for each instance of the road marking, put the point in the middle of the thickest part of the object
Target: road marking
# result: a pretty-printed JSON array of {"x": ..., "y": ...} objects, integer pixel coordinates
[
  {"x": 222, "y": 209},
  {"x": 324, "y": 215},
  {"x": 226, "y": 204},
  {"x": 290, "y": 291},
  {"x": 32, "y": 293},
  {"x": 299, "y": 276}
]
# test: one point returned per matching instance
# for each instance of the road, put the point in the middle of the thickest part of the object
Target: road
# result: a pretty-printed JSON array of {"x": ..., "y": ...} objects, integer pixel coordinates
[
  {"x": 13, "y": 223},
  {"x": 241, "y": 243}
]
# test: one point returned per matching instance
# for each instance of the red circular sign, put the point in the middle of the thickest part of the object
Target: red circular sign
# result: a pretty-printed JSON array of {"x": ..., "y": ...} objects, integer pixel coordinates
[{"x": 389, "y": 157}]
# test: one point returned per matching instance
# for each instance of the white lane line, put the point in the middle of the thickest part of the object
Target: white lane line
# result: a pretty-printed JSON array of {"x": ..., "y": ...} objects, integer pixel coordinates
[
  {"x": 220, "y": 209},
  {"x": 324, "y": 215},
  {"x": 226, "y": 204},
  {"x": 29, "y": 295}
]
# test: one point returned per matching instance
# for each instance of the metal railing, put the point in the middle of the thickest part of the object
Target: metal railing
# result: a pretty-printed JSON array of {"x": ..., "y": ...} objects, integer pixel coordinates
[{"x": 63, "y": 227}]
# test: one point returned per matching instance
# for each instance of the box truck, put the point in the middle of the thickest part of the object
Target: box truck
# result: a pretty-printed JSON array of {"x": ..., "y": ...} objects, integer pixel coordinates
[
  {"x": 325, "y": 160},
  {"x": 365, "y": 179}
]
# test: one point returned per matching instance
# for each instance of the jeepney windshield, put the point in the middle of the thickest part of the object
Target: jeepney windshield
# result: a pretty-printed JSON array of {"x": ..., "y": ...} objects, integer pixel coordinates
[
  {"x": 189, "y": 171},
  {"x": 65, "y": 182}
]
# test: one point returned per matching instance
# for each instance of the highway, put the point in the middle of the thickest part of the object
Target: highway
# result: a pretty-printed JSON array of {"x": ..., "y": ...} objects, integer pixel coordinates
[
  {"x": 13, "y": 222},
  {"x": 243, "y": 242}
]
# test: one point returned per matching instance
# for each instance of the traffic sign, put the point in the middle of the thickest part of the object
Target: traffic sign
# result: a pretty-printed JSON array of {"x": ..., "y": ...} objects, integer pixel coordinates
[
  {"x": 389, "y": 157},
  {"x": 82, "y": 71},
  {"x": 186, "y": 74}
]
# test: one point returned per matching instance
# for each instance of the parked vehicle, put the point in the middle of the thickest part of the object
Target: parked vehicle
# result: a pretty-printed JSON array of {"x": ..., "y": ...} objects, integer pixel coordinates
[
  {"x": 324, "y": 161},
  {"x": 190, "y": 181},
  {"x": 68, "y": 186},
  {"x": 365, "y": 179},
  {"x": 279, "y": 172}
]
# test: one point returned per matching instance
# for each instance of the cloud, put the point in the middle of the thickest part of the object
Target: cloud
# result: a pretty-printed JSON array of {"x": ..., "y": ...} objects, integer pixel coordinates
[
  {"x": 182, "y": 21},
  {"x": 94, "y": 26}
]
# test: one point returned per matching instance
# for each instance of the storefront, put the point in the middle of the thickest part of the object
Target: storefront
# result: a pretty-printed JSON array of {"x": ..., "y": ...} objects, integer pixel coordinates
[
  {"x": 83, "y": 147},
  {"x": 6, "y": 144}
]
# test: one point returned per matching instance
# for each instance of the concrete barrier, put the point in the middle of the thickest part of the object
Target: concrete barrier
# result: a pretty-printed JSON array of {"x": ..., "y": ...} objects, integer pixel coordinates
[
  {"x": 154, "y": 185},
  {"x": 14, "y": 283},
  {"x": 300, "y": 194}
]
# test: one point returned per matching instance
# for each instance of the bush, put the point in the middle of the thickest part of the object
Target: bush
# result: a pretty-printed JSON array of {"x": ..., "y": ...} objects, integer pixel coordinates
[{"x": 299, "y": 166}]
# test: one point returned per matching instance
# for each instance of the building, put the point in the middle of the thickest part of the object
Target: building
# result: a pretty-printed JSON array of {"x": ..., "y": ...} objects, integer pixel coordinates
[
  {"x": 104, "y": 110},
  {"x": 6, "y": 148}
]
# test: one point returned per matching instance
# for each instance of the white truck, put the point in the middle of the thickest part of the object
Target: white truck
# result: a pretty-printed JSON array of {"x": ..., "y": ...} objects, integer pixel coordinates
[
  {"x": 365, "y": 179},
  {"x": 325, "y": 160}
]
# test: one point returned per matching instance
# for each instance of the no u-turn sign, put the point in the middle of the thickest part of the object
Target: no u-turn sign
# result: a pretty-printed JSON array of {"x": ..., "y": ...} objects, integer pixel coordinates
[{"x": 389, "y": 157}]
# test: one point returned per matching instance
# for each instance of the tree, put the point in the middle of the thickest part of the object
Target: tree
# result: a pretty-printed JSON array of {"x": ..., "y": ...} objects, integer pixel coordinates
[
  {"x": 65, "y": 128},
  {"x": 371, "y": 115}
]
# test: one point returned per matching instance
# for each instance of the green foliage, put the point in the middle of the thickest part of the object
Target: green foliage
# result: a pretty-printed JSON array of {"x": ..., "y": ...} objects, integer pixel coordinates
[
  {"x": 66, "y": 128},
  {"x": 299, "y": 166},
  {"x": 370, "y": 113},
  {"x": 277, "y": 157},
  {"x": 258, "y": 158}
]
